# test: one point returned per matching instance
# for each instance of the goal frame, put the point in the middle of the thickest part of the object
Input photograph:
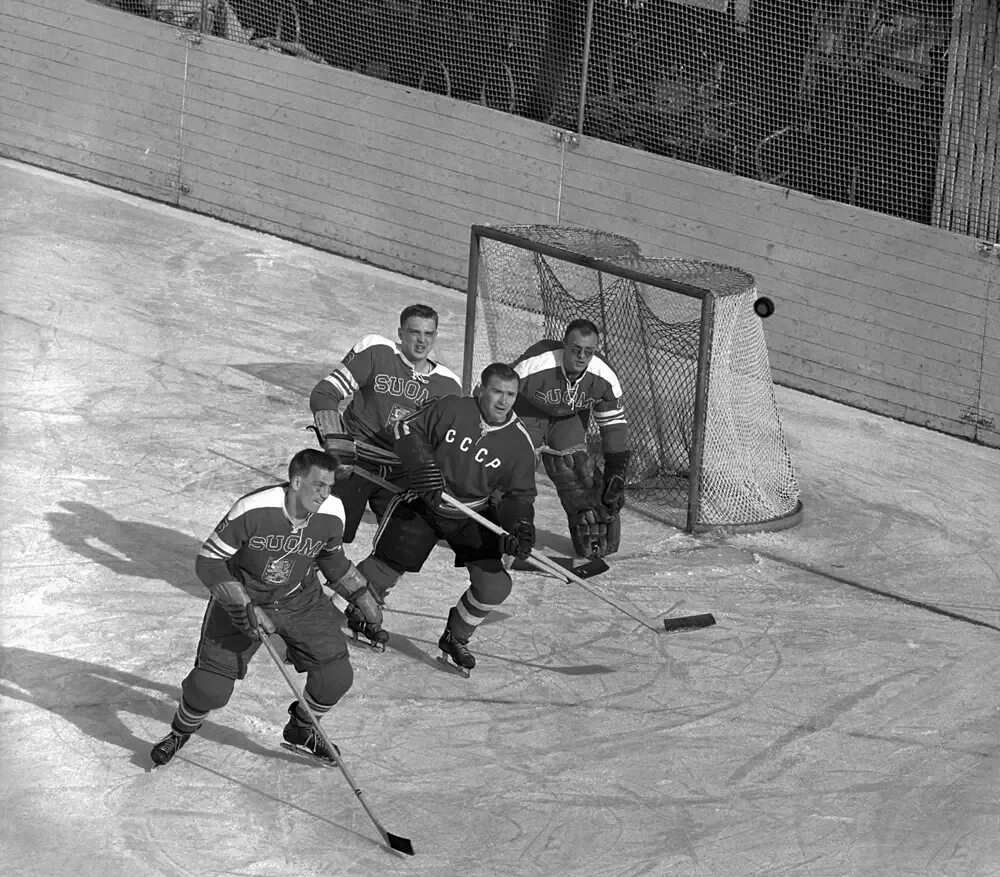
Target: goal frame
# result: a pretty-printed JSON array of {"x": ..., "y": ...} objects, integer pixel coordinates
[{"x": 704, "y": 296}]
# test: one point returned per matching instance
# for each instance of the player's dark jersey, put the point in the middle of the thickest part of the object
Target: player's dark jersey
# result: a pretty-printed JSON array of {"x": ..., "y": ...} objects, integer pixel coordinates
[
  {"x": 257, "y": 544},
  {"x": 476, "y": 458},
  {"x": 545, "y": 389},
  {"x": 385, "y": 387}
]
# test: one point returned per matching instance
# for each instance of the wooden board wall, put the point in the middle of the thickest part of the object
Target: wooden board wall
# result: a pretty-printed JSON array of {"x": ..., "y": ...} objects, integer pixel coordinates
[{"x": 884, "y": 314}]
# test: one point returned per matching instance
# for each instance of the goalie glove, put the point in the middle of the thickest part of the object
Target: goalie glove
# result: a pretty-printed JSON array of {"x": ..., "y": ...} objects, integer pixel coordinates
[
  {"x": 356, "y": 589},
  {"x": 247, "y": 618},
  {"x": 613, "y": 494},
  {"x": 329, "y": 429}
]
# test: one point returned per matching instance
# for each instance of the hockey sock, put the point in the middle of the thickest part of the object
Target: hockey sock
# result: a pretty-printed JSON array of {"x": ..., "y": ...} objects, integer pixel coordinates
[
  {"x": 187, "y": 720},
  {"x": 319, "y": 709}
]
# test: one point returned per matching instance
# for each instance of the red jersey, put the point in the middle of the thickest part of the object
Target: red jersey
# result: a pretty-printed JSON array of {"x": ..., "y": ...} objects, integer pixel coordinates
[
  {"x": 385, "y": 387},
  {"x": 477, "y": 458},
  {"x": 546, "y": 389},
  {"x": 257, "y": 544}
]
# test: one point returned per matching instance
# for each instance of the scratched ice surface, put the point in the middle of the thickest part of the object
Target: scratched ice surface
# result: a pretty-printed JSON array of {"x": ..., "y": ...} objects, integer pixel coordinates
[{"x": 840, "y": 719}]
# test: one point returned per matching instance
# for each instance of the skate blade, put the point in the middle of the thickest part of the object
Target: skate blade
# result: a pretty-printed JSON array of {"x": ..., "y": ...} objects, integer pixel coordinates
[
  {"x": 452, "y": 667},
  {"x": 312, "y": 756}
]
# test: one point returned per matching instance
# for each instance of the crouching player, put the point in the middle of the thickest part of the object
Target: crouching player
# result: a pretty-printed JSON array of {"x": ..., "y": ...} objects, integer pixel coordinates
[
  {"x": 258, "y": 568},
  {"x": 472, "y": 447},
  {"x": 562, "y": 382}
]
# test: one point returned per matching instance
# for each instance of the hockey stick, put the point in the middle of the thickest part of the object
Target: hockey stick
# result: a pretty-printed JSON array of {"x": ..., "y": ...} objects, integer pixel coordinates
[
  {"x": 395, "y": 842},
  {"x": 540, "y": 561},
  {"x": 593, "y": 567}
]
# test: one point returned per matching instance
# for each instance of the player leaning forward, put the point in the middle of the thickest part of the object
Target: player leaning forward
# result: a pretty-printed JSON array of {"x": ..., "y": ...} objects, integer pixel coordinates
[
  {"x": 561, "y": 384},
  {"x": 472, "y": 447},
  {"x": 258, "y": 568}
]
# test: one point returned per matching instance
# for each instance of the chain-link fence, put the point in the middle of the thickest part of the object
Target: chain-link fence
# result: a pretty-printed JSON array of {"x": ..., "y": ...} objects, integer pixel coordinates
[{"x": 891, "y": 105}]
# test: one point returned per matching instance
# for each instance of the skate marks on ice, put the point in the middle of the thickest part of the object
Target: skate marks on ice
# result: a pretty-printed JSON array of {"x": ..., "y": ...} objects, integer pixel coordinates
[{"x": 426, "y": 652}]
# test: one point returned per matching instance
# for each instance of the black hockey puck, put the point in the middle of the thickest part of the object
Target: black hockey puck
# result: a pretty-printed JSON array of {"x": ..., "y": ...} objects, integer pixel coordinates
[
  {"x": 763, "y": 307},
  {"x": 689, "y": 621}
]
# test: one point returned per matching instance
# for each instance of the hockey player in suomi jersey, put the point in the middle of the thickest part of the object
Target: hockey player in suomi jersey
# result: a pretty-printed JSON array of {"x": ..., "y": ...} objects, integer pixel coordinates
[
  {"x": 386, "y": 382},
  {"x": 258, "y": 567},
  {"x": 473, "y": 448},
  {"x": 562, "y": 382}
]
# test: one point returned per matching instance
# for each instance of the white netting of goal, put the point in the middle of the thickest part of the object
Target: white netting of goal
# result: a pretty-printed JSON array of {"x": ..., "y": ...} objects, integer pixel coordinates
[{"x": 730, "y": 469}]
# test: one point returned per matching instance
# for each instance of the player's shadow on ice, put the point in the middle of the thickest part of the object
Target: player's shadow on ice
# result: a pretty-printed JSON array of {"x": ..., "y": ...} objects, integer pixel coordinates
[
  {"x": 94, "y": 698},
  {"x": 132, "y": 548}
]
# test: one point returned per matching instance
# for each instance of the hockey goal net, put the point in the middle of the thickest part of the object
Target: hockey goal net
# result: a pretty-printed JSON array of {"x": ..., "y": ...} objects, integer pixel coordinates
[{"x": 708, "y": 449}]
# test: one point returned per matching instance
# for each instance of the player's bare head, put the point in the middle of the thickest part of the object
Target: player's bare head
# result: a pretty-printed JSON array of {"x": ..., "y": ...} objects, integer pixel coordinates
[
  {"x": 311, "y": 474},
  {"x": 498, "y": 386},
  {"x": 418, "y": 326},
  {"x": 580, "y": 342}
]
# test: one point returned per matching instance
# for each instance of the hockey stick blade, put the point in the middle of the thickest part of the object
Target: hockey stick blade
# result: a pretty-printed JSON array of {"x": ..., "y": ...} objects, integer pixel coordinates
[
  {"x": 399, "y": 844},
  {"x": 689, "y": 622},
  {"x": 593, "y": 567}
]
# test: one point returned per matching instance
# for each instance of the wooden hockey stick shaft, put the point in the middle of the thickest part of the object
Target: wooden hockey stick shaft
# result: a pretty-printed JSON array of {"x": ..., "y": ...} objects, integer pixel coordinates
[
  {"x": 540, "y": 561},
  {"x": 400, "y": 844}
]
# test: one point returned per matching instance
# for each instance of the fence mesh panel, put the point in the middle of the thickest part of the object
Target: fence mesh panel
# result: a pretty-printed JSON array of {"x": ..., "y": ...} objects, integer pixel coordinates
[{"x": 891, "y": 105}]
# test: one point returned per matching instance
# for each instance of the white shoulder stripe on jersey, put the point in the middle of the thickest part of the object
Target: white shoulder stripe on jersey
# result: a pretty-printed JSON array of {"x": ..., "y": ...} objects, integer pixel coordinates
[
  {"x": 342, "y": 380},
  {"x": 445, "y": 372},
  {"x": 541, "y": 362},
  {"x": 600, "y": 368},
  {"x": 373, "y": 341}
]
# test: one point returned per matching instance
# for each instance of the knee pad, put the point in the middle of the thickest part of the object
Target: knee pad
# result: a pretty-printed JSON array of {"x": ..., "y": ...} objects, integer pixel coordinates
[
  {"x": 489, "y": 582},
  {"x": 573, "y": 478},
  {"x": 380, "y": 574},
  {"x": 328, "y": 684},
  {"x": 205, "y": 691}
]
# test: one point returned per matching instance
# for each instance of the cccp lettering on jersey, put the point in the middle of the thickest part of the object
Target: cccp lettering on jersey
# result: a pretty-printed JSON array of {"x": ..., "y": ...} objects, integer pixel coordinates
[
  {"x": 466, "y": 445},
  {"x": 407, "y": 388},
  {"x": 287, "y": 544}
]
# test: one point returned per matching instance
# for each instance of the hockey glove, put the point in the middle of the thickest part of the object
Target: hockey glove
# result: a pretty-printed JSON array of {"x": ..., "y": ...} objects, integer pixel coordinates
[
  {"x": 426, "y": 480},
  {"x": 246, "y": 617},
  {"x": 329, "y": 429},
  {"x": 613, "y": 495},
  {"x": 521, "y": 541},
  {"x": 354, "y": 588}
]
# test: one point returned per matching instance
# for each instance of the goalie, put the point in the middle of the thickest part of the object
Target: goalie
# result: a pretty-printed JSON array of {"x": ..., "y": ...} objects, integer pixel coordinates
[{"x": 562, "y": 383}]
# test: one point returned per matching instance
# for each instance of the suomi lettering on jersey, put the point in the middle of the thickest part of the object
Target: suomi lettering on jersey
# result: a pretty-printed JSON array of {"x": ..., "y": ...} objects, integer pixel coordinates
[{"x": 405, "y": 388}]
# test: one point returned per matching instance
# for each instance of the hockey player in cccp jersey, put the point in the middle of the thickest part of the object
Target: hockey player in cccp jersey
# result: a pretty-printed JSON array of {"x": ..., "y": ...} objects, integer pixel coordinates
[
  {"x": 385, "y": 382},
  {"x": 474, "y": 448},
  {"x": 258, "y": 567},
  {"x": 562, "y": 383}
]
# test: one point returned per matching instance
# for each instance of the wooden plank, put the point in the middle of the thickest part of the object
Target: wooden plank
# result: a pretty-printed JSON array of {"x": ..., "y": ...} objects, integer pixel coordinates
[{"x": 705, "y": 215}]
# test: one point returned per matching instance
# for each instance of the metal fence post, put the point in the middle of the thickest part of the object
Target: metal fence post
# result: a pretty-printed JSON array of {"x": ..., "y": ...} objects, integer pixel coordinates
[{"x": 588, "y": 28}]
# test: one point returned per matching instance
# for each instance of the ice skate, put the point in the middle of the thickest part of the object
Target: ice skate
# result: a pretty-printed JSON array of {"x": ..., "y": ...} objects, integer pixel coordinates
[
  {"x": 366, "y": 633},
  {"x": 462, "y": 660},
  {"x": 168, "y": 747},
  {"x": 301, "y": 737}
]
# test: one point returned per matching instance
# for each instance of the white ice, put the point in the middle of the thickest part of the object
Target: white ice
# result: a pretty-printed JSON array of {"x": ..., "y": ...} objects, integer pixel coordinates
[{"x": 841, "y": 718}]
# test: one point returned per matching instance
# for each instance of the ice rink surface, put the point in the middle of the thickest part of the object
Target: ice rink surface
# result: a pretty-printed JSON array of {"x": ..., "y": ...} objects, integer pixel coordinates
[{"x": 841, "y": 718}]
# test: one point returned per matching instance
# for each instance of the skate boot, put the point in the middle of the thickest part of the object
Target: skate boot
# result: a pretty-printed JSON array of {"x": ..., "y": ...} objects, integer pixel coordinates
[
  {"x": 167, "y": 748},
  {"x": 456, "y": 649},
  {"x": 365, "y": 632},
  {"x": 302, "y": 737}
]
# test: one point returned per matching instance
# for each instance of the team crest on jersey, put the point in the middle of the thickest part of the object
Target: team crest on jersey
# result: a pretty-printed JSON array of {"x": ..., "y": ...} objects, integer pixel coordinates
[
  {"x": 397, "y": 413},
  {"x": 277, "y": 572}
]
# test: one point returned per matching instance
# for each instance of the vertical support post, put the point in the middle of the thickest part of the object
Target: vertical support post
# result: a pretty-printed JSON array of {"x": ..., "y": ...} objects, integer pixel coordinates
[
  {"x": 584, "y": 74},
  {"x": 700, "y": 410},
  {"x": 471, "y": 294},
  {"x": 203, "y": 23}
]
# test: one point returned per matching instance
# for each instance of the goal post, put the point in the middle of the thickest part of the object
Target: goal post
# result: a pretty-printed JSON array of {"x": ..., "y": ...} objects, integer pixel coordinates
[{"x": 708, "y": 449}]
